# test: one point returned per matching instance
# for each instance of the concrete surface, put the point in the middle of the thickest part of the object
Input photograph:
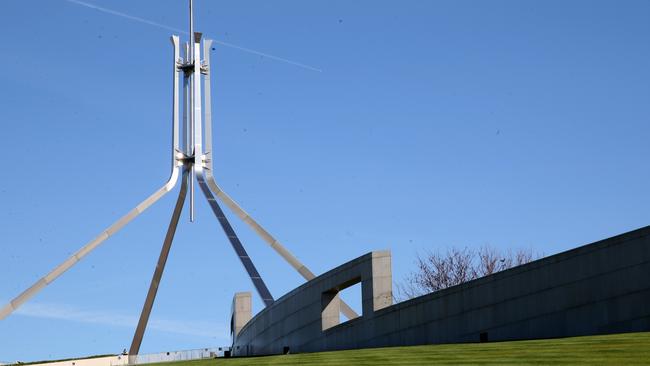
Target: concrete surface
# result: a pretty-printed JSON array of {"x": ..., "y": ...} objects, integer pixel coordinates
[
  {"x": 98, "y": 361},
  {"x": 599, "y": 288},
  {"x": 242, "y": 311}
]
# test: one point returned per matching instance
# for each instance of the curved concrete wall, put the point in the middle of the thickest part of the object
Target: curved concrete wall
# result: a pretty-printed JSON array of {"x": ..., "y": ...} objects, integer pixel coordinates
[{"x": 595, "y": 289}]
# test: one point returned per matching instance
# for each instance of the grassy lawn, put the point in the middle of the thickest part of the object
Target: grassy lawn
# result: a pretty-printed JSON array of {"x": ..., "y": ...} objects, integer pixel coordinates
[{"x": 619, "y": 349}]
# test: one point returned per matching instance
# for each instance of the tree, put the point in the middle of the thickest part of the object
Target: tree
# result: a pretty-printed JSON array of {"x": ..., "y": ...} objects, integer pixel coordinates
[{"x": 436, "y": 271}]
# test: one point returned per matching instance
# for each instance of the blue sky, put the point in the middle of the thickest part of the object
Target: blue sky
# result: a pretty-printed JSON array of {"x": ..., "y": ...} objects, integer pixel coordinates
[{"x": 432, "y": 124}]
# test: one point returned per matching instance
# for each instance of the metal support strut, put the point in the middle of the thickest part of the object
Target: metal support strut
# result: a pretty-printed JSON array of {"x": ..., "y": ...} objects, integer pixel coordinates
[
  {"x": 186, "y": 152},
  {"x": 160, "y": 267},
  {"x": 246, "y": 261},
  {"x": 208, "y": 177}
]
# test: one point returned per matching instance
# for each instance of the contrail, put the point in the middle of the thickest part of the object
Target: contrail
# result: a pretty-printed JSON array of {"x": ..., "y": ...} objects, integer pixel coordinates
[
  {"x": 163, "y": 26},
  {"x": 127, "y": 16},
  {"x": 265, "y": 55}
]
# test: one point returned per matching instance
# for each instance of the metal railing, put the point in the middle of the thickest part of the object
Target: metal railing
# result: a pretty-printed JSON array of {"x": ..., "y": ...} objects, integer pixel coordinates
[{"x": 186, "y": 355}]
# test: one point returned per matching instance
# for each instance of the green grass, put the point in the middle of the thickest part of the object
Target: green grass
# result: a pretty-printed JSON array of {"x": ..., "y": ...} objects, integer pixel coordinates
[{"x": 618, "y": 349}]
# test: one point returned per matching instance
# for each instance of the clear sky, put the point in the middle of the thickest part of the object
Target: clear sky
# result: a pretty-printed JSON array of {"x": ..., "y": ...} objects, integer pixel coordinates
[{"x": 432, "y": 124}]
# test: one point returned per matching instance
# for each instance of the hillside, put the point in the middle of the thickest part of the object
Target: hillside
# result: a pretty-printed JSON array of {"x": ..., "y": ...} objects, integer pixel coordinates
[{"x": 619, "y": 349}]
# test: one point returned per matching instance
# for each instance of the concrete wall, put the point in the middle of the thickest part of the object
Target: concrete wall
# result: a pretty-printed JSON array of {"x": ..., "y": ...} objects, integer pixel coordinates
[
  {"x": 98, "y": 361},
  {"x": 241, "y": 310},
  {"x": 123, "y": 360},
  {"x": 595, "y": 289}
]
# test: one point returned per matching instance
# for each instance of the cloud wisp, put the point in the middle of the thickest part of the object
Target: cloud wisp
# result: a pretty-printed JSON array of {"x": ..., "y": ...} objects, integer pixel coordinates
[
  {"x": 69, "y": 313},
  {"x": 180, "y": 31}
]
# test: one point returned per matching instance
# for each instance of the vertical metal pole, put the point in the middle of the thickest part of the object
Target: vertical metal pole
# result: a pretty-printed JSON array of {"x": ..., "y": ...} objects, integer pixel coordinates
[
  {"x": 196, "y": 115},
  {"x": 186, "y": 120},
  {"x": 207, "y": 105},
  {"x": 190, "y": 147},
  {"x": 191, "y": 29},
  {"x": 193, "y": 81},
  {"x": 175, "y": 130},
  {"x": 196, "y": 98},
  {"x": 188, "y": 129}
]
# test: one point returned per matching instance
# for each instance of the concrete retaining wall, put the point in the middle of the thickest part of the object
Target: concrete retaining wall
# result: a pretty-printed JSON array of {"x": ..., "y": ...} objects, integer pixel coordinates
[
  {"x": 119, "y": 360},
  {"x": 595, "y": 289}
]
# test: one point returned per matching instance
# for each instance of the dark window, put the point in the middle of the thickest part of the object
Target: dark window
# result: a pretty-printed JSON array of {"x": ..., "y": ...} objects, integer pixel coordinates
[{"x": 483, "y": 337}]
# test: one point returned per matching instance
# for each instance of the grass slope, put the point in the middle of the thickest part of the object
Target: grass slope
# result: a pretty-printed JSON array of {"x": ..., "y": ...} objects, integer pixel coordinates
[{"x": 618, "y": 349}]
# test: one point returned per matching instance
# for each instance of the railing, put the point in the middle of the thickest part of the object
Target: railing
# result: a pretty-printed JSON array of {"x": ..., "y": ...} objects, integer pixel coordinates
[{"x": 186, "y": 355}]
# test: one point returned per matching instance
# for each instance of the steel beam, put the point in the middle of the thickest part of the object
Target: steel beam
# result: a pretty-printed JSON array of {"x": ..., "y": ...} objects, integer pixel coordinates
[
  {"x": 160, "y": 267},
  {"x": 254, "y": 275},
  {"x": 201, "y": 173},
  {"x": 280, "y": 249},
  {"x": 89, "y": 247},
  {"x": 119, "y": 224}
]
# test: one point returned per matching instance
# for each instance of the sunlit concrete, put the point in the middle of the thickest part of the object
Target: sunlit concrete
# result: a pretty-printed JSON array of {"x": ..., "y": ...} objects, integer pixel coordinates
[{"x": 594, "y": 289}]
